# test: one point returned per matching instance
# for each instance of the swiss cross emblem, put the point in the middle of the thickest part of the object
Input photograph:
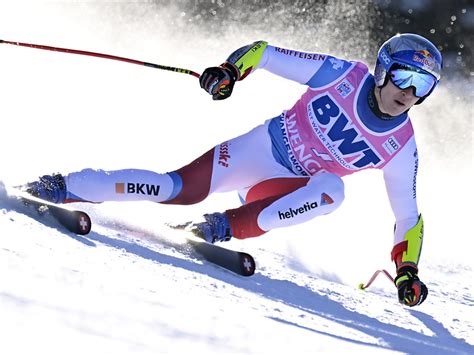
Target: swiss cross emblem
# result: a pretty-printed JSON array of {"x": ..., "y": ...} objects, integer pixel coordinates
[{"x": 84, "y": 223}]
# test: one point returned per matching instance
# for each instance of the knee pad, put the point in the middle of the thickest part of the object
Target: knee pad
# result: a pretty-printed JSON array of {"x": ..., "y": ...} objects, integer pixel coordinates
[
  {"x": 330, "y": 186},
  {"x": 322, "y": 195}
]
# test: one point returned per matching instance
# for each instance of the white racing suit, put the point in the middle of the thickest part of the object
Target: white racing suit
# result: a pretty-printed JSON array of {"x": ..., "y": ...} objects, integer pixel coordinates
[{"x": 289, "y": 169}]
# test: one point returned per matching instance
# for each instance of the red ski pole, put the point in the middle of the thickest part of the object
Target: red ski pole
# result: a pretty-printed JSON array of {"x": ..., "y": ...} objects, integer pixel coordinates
[
  {"x": 374, "y": 276},
  {"x": 101, "y": 55}
]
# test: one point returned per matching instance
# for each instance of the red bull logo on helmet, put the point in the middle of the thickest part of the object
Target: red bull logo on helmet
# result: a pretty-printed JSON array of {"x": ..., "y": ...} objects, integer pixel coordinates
[{"x": 424, "y": 57}]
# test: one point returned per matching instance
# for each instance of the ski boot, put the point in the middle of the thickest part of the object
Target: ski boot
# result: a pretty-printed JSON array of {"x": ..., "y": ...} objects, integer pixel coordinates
[
  {"x": 216, "y": 228},
  {"x": 50, "y": 188}
]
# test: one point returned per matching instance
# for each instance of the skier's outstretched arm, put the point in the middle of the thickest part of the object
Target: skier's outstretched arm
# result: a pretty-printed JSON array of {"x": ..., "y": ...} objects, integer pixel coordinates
[
  {"x": 312, "y": 69},
  {"x": 400, "y": 180}
]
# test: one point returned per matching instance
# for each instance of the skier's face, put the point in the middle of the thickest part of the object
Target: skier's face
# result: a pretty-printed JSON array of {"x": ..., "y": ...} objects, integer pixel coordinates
[{"x": 394, "y": 101}]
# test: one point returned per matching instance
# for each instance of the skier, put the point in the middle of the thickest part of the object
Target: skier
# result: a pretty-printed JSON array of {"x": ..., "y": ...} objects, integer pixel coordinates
[{"x": 288, "y": 170}]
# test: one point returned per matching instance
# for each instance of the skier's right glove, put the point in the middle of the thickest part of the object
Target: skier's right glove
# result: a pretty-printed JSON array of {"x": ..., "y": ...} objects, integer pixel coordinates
[
  {"x": 219, "y": 81},
  {"x": 411, "y": 291}
]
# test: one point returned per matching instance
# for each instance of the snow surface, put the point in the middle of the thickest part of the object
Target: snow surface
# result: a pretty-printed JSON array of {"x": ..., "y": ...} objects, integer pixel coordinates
[{"x": 132, "y": 286}]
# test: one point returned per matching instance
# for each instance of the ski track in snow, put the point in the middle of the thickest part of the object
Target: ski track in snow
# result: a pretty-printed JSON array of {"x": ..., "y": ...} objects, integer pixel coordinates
[{"x": 131, "y": 289}]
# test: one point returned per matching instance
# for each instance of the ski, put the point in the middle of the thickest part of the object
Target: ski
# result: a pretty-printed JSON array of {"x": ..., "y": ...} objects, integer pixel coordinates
[
  {"x": 236, "y": 261},
  {"x": 75, "y": 221}
]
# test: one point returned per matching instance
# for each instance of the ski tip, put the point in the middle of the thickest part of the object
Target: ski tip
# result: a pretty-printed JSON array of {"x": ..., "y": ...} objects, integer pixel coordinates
[
  {"x": 84, "y": 223},
  {"x": 247, "y": 264},
  {"x": 361, "y": 286}
]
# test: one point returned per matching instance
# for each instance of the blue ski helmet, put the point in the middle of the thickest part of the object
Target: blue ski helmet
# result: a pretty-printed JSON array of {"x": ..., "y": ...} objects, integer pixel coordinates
[{"x": 409, "y": 53}]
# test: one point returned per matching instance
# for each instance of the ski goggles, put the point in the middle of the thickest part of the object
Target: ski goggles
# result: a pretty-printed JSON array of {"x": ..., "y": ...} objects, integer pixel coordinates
[{"x": 406, "y": 76}]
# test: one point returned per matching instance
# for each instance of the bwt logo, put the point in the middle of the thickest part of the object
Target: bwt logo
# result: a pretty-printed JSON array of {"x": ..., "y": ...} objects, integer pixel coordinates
[
  {"x": 342, "y": 135},
  {"x": 136, "y": 188}
]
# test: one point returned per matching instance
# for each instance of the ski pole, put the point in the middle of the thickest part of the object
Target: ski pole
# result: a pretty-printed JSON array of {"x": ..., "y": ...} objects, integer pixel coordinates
[
  {"x": 374, "y": 276},
  {"x": 101, "y": 55}
]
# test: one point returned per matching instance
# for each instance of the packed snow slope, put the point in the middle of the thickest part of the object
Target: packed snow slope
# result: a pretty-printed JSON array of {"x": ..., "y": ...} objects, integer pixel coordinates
[{"x": 132, "y": 286}]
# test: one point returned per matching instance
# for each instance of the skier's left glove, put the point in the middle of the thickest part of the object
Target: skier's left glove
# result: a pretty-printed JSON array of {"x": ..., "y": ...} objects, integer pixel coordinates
[
  {"x": 411, "y": 291},
  {"x": 219, "y": 81}
]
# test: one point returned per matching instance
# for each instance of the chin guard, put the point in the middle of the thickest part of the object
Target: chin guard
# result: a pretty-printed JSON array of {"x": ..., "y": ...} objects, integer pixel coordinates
[
  {"x": 407, "y": 253},
  {"x": 245, "y": 59}
]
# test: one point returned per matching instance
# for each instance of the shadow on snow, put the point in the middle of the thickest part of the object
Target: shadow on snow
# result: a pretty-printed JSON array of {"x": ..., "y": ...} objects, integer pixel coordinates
[
  {"x": 294, "y": 295},
  {"x": 290, "y": 294}
]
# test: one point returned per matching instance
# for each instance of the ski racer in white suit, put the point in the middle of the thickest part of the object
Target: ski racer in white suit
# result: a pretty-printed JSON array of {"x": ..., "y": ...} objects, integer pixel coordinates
[{"x": 288, "y": 170}]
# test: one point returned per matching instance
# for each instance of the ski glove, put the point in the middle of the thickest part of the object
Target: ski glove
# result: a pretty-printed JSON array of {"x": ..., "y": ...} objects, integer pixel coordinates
[
  {"x": 411, "y": 291},
  {"x": 219, "y": 81}
]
